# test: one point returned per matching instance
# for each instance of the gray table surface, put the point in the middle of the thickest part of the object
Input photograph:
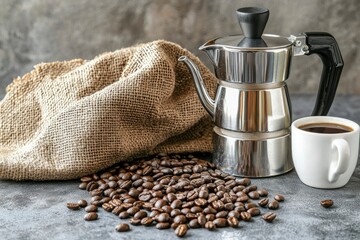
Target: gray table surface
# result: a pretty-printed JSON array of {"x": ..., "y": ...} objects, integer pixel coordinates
[{"x": 37, "y": 210}]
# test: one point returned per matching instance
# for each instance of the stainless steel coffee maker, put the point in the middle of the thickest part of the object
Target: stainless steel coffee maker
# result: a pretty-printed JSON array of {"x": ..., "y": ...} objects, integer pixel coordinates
[{"x": 252, "y": 109}]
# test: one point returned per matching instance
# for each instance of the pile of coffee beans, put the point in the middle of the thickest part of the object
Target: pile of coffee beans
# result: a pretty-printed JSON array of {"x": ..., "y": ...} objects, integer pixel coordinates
[{"x": 173, "y": 191}]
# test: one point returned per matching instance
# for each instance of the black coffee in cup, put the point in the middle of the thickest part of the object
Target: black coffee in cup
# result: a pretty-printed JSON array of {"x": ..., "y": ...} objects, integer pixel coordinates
[{"x": 328, "y": 128}]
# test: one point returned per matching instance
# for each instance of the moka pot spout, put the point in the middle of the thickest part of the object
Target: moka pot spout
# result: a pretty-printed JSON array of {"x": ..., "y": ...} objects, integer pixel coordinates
[{"x": 204, "y": 96}]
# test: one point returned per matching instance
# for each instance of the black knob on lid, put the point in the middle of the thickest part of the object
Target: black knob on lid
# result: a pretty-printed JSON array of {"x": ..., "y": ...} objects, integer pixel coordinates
[{"x": 252, "y": 21}]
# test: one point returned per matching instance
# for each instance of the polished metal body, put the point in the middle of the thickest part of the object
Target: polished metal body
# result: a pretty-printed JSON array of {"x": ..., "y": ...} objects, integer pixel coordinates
[
  {"x": 252, "y": 155},
  {"x": 251, "y": 109},
  {"x": 250, "y": 65}
]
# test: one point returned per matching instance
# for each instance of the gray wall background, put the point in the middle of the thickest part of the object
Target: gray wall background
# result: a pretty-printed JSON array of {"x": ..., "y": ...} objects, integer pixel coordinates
[{"x": 35, "y": 31}]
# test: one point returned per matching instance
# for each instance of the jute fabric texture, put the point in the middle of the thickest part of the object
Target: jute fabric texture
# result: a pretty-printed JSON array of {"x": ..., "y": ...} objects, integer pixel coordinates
[{"x": 68, "y": 119}]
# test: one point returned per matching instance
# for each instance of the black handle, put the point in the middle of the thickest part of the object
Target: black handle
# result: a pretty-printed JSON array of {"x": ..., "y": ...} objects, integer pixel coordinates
[
  {"x": 325, "y": 45},
  {"x": 252, "y": 21}
]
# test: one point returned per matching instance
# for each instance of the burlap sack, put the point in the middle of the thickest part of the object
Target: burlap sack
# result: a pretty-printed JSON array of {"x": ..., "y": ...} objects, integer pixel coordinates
[{"x": 67, "y": 119}]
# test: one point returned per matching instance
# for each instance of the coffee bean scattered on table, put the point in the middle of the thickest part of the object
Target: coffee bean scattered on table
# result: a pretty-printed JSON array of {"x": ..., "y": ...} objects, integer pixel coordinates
[
  {"x": 73, "y": 206},
  {"x": 122, "y": 227},
  {"x": 269, "y": 216},
  {"x": 327, "y": 203},
  {"x": 91, "y": 216},
  {"x": 174, "y": 191}
]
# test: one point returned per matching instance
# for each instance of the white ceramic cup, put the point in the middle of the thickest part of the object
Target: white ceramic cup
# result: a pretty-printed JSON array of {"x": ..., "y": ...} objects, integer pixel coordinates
[{"x": 324, "y": 160}]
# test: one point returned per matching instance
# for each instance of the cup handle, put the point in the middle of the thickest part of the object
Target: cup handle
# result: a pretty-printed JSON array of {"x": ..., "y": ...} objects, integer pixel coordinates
[{"x": 341, "y": 164}]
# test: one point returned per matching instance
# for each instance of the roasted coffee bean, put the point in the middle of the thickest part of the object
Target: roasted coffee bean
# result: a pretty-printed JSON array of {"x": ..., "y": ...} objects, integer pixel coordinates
[
  {"x": 191, "y": 215},
  {"x": 163, "y": 217},
  {"x": 137, "y": 183},
  {"x": 154, "y": 213},
  {"x": 192, "y": 195},
  {"x": 134, "y": 192},
  {"x": 263, "y": 192},
  {"x": 174, "y": 225},
  {"x": 240, "y": 209},
  {"x": 233, "y": 222},
  {"x": 269, "y": 216},
  {"x": 175, "y": 212},
  {"x": 147, "y": 206},
  {"x": 204, "y": 194},
  {"x": 185, "y": 210},
  {"x": 245, "y": 181},
  {"x": 201, "y": 202},
  {"x": 170, "y": 190},
  {"x": 210, "y": 225},
  {"x": 82, "y": 203},
  {"x": 145, "y": 196},
  {"x": 250, "y": 205},
  {"x": 91, "y": 216},
  {"x": 73, "y": 206},
  {"x": 194, "y": 223},
  {"x": 327, "y": 203},
  {"x": 91, "y": 186},
  {"x": 229, "y": 206},
  {"x": 125, "y": 185},
  {"x": 217, "y": 205},
  {"x": 181, "y": 196},
  {"x": 221, "y": 214},
  {"x": 86, "y": 179},
  {"x": 201, "y": 219},
  {"x": 107, "y": 207},
  {"x": 195, "y": 175},
  {"x": 210, "y": 217},
  {"x": 273, "y": 205},
  {"x": 105, "y": 175},
  {"x": 220, "y": 222},
  {"x": 181, "y": 230},
  {"x": 234, "y": 214},
  {"x": 254, "y": 195},
  {"x": 254, "y": 211},
  {"x": 148, "y": 185},
  {"x": 196, "y": 209},
  {"x": 212, "y": 199},
  {"x": 126, "y": 205},
  {"x": 126, "y": 176},
  {"x": 220, "y": 191},
  {"x": 160, "y": 203},
  {"x": 162, "y": 225},
  {"x": 250, "y": 188},
  {"x": 238, "y": 188},
  {"x": 245, "y": 216},
  {"x": 105, "y": 200},
  {"x": 158, "y": 187},
  {"x": 147, "y": 170},
  {"x": 279, "y": 198},
  {"x": 176, "y": 204},
  {"x": 209, "y": 210},
  {"x": 83, "y": 185},
  {"x": 124, "y": 215},
  {"x": 91, "y": 208},
  {"x": 263, "y": 202},
  {"x": 147, "y": 221},
  {"x": 140, "y": 214},
  {"x": 167, "y": 209},
  {"x": 135, "y": 221},
  {"x": 197, "y": 182},
  {"x": 180, "y": 219},
  {"x": 116, "y": 202},
  {"x": 243, "y": 199},
  {"x": 122, "y": 227},
  {"x": 171, "y": 197},
  {"x": 117, "y": 210}
]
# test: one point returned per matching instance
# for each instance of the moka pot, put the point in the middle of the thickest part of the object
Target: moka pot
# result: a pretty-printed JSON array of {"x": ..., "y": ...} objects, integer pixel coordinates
[{"x": 252, "y": 109}]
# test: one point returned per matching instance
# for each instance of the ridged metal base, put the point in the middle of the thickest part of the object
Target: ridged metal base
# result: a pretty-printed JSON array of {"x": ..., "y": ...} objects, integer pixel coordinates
[{"x": 252, "y": 158}]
